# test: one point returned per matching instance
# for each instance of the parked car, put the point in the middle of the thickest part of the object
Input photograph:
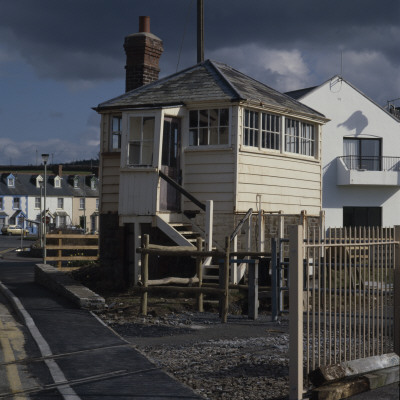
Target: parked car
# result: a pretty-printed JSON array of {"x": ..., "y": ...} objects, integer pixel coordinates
[{"x": 13, "y": 230}]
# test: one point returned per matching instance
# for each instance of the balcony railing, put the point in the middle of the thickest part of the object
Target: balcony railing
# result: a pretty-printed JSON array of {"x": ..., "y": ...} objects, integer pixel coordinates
[{"x": 371, "y": 163}]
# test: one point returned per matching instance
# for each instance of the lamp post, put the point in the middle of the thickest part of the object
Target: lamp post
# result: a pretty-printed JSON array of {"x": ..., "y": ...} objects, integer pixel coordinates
[{"x": 45, "y": 158}]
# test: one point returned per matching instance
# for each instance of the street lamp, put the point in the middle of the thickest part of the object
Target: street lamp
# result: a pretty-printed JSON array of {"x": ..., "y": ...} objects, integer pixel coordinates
[{"x": 45, "y": 158}]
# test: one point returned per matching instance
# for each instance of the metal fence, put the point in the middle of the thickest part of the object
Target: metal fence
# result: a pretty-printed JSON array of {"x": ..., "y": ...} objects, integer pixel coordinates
[{"x": 341, "y": 297}]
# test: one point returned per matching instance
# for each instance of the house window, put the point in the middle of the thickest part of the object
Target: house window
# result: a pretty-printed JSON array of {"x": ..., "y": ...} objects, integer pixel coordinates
[
  {"x": 270, "y": 129},
  {"x": 362, "y": 153},
  {"x": 93, "y": 184},
  {"x": 362, "y": 216},
  {"x": 209, "y": 127},
  {"x": 141, "y": 140},
  {"x": 97, "y": 204},
  {"x": 2, "y": 221},
  {"x": 81, "y": 203},
  {"x": 10, "y": 181},
  {"x": 37, "y": 202},
  {"x": 1, "y": 203},
  {"x": 39, "y": 181},
  {"x": 57, "y": 182},
  {"x": 299, "y": 137},
  {"x": 60, "y": 203},
  {"x": 116, "y": 132},
  {"x": 76, "y": 182},
  {"x": 62, "y": 220},
  {"x": 16, "y": 203},
  {"x": 20, "y": 221}
]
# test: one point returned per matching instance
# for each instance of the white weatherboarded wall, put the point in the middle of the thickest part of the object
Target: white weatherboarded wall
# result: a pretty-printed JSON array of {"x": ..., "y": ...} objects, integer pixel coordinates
[{"x": 291, "y": 184}]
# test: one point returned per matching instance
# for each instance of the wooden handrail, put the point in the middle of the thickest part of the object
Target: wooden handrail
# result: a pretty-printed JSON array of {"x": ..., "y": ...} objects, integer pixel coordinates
[{"x": 180, "y": 189}]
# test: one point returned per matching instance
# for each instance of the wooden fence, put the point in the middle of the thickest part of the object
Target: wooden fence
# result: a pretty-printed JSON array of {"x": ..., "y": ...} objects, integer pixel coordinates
[
  {"x": 69, "y": 247},
  {"x": 198, "y": 289}
]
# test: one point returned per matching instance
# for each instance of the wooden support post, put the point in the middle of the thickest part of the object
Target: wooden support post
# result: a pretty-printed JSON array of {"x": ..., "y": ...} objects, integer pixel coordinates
[
  {"x": 145, "y": 274},
  {"x": 199, "y": 270},
  {"x": 261, "y": 231},
  {"x": 225, "y": 305},
  {"x": 209, "y": 225},
  {"x": 253, "y": 290},
  {"x": 396, "y": 311},
  {"x": 59, "y": 251},
  {"x": 274, "y": 280},
  {"x": 296, "y": 312}
]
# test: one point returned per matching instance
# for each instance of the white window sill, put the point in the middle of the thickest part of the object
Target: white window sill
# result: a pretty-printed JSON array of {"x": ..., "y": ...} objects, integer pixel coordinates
[
  {"x": 137, "y": 168},
  {"x": 208, "y": 148}
]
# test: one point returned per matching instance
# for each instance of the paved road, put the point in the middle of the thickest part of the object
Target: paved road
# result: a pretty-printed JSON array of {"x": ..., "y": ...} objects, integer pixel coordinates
[{"x": 76, "y": 356}]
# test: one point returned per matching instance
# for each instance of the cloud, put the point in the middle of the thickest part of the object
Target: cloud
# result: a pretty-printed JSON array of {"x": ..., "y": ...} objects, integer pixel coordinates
[{"x": 28, "y": 152}]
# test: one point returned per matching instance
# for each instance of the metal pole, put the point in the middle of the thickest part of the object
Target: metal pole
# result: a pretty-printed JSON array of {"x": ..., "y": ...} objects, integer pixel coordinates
[
  {"x": 296, "y": 312},
  {"x": 200, "y": 31},
  {"x": 45, "y": 214}
]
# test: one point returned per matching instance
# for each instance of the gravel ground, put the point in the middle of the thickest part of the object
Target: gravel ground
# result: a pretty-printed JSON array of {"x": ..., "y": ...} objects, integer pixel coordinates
[{"x": 242, "y": 359}]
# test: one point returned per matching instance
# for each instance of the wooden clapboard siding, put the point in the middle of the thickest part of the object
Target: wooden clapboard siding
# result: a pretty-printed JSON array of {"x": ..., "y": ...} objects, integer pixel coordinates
[
  {"x": 138, "y": 192},
  {"x": 110, "y": 182},
  {"x": 284, "y": 182},
  {"x": 209, "y": 175}
]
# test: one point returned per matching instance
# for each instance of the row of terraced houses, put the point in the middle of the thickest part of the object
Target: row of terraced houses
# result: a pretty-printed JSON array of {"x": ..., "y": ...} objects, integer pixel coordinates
[{"x": 71, "y": 200}]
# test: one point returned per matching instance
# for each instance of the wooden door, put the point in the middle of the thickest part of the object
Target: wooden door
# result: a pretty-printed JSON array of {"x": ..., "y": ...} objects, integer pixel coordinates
[{"x": 170, "y": 198}]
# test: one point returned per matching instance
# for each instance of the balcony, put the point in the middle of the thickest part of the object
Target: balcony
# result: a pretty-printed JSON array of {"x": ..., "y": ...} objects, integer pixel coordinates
[{"x": 368, "y": 171}]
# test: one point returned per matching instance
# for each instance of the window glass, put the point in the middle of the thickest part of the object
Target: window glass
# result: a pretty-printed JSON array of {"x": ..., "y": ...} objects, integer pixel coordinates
[
  {"x": 16, "y": 202},
  {"x": 1, "y": 203},
  {"x": 209, "y": 127},
  {"x": 116, "y": 132},
  {"x": 37, "y": 202},
  {"x": 141, "y": 140},
  {"x": 60, "y": 202},
  {"x": 362, "y": 153},
  {"x": 299, "y": 137}
]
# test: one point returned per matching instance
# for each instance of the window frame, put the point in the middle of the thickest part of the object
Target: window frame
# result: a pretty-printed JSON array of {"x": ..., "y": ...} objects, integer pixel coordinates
[
  {"x": 38, "y": 200},
  {"x": 257, "y": 130},
  {"x": 115, "y": 133},
  {"x": 140, "y": 143},
  {"x": 19, "y": 203},
  {"x": 1, "y": 203},
  {"x": 60, "y": 200},
  {"x": 195, "y": 137},
  {"x": 82, "y": 203},
  {"x": 303, "y": 141}
]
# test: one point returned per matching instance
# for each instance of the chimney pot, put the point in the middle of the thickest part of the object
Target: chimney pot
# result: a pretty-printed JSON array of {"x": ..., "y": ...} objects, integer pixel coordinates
[{"x": 144, "y": 24}]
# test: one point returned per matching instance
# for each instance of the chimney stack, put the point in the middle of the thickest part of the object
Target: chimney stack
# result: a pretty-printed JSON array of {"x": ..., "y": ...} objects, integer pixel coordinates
[{"x": 143, "y": 51}]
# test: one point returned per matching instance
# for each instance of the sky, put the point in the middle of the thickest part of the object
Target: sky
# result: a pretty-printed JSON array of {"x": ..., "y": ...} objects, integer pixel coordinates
[{"x": 61, "y": 58}]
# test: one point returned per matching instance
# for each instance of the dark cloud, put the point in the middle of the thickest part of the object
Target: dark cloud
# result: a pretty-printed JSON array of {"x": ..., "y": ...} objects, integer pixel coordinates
[{"x": 83, "y": 39}]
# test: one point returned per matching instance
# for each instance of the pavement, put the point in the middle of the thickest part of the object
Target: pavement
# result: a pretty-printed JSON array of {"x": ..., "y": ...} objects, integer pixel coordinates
[{"x": 76, "y": 356}]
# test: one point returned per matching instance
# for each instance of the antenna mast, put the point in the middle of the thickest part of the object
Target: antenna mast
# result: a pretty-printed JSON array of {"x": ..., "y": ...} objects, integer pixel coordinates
[{"x": 200, "y": 31}]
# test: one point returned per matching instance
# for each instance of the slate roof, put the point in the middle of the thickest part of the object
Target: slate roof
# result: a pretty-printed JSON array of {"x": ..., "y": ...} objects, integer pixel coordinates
[
  {"x": 297, "y": 94},
  {"x": 206, "y": 81},
  {"x": 25, "y": 185}
]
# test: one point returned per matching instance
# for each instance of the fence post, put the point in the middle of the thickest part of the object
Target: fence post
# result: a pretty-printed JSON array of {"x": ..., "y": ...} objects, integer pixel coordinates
[
  {"x": 274, "y": 280},
  {"x": 225, "y": 305},
  {"x": 199, "y": 270},
  {"x": 59, "y": 251},
  {"x": 253, "y": 290},
  {"x": 209, "y": 225},
  {"x": 396, "y": 311},
  {"x": 296, "y": 312},
  {"x": 145, "y": 274}
]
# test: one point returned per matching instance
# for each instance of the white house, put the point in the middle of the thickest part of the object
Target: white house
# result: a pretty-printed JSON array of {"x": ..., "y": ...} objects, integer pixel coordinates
[{"x": 360, "y": 156}]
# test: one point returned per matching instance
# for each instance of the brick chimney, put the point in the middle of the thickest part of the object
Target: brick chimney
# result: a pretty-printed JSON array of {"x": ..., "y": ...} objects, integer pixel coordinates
[{"x": 143, "y": 51}]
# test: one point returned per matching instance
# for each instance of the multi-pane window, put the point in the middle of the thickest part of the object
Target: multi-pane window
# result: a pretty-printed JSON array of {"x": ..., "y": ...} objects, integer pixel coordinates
[
  {"x": 81, "y": 203},
  {"x": 16, "y": 203},
  {"x": 10, "y": 182},
  {"x": 60, "y": 203},
  {"x": 76, "y": 182},
  {"x": 141, "y": 140},
  {"x": 299, "y": 137},
  {"x": 209, "y": 127},
  {"x": 251, "y": 128},
  {"x": 97, "y": 204},
  {"x": 116, "y": 130},
  {"x": 57, "y": 182},
  {"x": 270, "y": 130},
  {"x": 37, "y": 202}
]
